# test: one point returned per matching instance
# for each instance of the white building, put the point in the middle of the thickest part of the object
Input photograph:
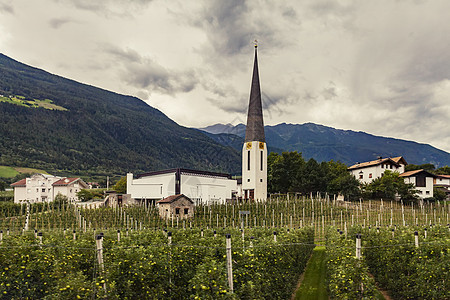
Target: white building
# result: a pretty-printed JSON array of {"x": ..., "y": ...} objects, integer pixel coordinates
[
  {"x": 422, "y": 180},
  {"x": 42, "y": 188},
  {"x": 366, "y": 172},
  {"x": 442, "y": 180},
  {"x": 69, "y": 187},
  {"x": 200, "y": 186}
]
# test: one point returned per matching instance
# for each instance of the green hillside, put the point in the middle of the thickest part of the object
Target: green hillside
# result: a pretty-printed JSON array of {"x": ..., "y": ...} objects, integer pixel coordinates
[{"x": 53, "y": 123}]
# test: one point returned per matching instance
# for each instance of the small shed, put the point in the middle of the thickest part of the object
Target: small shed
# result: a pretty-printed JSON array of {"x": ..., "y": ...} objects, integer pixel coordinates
[{"x": 176, "y": 206}]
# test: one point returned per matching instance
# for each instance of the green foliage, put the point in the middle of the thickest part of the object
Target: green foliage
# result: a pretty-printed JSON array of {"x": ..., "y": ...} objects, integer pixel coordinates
[
  {"x": 443, "y": 171},
  {"x": 426, "y": 167},
  {"x": 439, "y": 194},
  {"x": 121, "y": 185},
  {"x": 348, "y": 277},
  {"x": 289, "y": 172},
  {"x": 388, "y": 187},
  {"x": 3, "y": 185},
  {"x": 144, "y": 266},
  {"x": 89, "y": 194},
  {"x": 407, "y": 272}
]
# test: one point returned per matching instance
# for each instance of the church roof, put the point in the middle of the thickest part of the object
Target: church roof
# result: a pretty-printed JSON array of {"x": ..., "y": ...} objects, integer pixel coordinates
[{"x": 255, "y": 123}]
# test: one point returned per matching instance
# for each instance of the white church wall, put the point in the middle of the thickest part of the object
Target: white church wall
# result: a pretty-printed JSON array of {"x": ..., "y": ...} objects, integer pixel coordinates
[
  {"x": 151, "y": 187},
  {"x": 254, "y": 175},
  {"x": 207, "y": 190}
]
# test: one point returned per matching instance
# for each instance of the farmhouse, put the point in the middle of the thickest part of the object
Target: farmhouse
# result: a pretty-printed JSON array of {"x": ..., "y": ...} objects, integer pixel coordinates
[
  {"x": 44, "y": 188},
  {"x": 176, "y": 206},
  {"x": 422, "y": 180},
  {"x": 366, "y": 172}
]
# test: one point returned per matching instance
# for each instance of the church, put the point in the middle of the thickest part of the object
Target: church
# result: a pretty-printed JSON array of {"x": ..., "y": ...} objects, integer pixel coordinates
[{"x": 204, "y": 187}]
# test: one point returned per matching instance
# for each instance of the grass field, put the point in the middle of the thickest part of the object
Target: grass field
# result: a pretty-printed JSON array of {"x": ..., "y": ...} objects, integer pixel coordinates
[
  {"x": 9, "y": 172},
  {"x": 314, "y": 284}
]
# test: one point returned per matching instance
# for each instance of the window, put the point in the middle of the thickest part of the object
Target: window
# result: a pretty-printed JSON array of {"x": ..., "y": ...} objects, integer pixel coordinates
[
  {"x": 390, "y": 166},
  {"x": 360, "y": 176},
  {"x": 382, "y": 166},
  {"x": 261, "y": 160},
  {"x": 420, "y": 181},
  {"x": 43, "y": 190},
  {"x": 177, "y": 211},
  {"x": 260, "y": 180},
  {"x": 248, "y": 160},
  {"x": 248, "y": 180},
  {"x": 71, "y": 190},
  {"x": 186, "y": 211},
  {"x": 370, "y": 175},
  {"x": 427, "y": 192}
]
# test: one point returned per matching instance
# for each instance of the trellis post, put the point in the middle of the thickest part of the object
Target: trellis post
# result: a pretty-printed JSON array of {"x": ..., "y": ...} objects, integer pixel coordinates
[{"x": 229, "y": 262}]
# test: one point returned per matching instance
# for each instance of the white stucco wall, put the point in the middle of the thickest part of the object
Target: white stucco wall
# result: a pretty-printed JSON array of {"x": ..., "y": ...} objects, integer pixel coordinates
[
  {"x": 151, "y": 187},
  {"x": 200, "y": 189},
  {"x": 256, "y": 177},
  {"x": 442, "y": 181},
  {"x": 370, "y": 173},
  {"x": 38, "y": 189},
  {"x": 207, "y": 190},
  {"x": 424, "y": 192}
]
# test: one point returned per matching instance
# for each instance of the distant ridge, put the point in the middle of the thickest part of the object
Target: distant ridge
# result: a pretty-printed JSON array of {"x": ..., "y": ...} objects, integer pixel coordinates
[
  {"x": 99, "y": 132},
  {"x": 325, "y": 143}
]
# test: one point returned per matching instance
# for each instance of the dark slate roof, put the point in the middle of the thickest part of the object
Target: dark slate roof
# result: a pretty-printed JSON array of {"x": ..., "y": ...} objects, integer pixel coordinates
[{"x": 255, "y": 123}]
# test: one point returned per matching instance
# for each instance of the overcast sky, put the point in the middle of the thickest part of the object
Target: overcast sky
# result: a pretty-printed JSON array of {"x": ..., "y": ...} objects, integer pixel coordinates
[{"x": 377, "y": 66}]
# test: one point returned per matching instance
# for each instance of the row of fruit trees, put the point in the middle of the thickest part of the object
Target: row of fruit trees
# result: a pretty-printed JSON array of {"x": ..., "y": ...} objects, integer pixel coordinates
[{"x": 50, "y": 250}]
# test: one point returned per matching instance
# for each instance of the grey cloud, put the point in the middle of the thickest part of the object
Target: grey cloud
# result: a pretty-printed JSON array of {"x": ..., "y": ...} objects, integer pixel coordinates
[
  {"x": 109, "y": 7},
  {"x": 58, "y": 22},
  {"x": 143, "y": 72},
  {"x": 6, "y": 8}
]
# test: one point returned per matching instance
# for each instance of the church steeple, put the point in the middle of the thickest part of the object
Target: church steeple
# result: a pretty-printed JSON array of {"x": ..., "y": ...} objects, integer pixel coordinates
[
  {"x": 254, "y": 150},
  {"x": 255, "y": 123}
]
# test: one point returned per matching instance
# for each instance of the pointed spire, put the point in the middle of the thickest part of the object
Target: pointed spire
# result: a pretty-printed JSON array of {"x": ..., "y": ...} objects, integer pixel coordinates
[{"x": 255, "y": 123}]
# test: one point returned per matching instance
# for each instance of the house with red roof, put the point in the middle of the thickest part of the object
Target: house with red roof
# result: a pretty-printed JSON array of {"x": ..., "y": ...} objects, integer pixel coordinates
[
  {"x": 45, "y": 187},
  {"x": 69, "y": 187}
]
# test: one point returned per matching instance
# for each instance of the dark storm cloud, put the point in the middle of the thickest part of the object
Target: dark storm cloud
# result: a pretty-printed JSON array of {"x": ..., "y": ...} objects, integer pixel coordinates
[
  {"x": 145, "y": 73},
  {"x": 232, "y": 26}
]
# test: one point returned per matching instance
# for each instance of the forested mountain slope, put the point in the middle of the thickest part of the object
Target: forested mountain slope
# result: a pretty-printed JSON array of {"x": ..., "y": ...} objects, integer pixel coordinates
[{"x": 62, "y": 126}]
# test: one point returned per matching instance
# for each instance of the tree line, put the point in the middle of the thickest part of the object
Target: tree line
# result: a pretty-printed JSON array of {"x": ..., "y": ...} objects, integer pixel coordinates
[{"x": 290, "y": 172}]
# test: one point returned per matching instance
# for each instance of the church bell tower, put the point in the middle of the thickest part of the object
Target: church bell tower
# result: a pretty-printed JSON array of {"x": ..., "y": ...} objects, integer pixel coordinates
[{"x": 254, "y": 150}]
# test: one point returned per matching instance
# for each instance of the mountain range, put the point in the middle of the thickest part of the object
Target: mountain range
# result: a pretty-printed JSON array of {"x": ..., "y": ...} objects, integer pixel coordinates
[
  {"x": 66, "y": 127},
  {"x": 325, "y": 143}
]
